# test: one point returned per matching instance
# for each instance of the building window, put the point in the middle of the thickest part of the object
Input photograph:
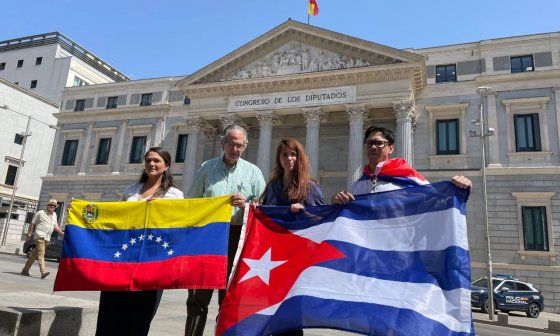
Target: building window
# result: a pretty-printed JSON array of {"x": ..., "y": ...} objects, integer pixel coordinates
[
  {"x": 19, "y": 63},
  {"x": 186, "y": 101},
  {"x": 137, "y": 149},
  {"x": 33, "y": 84},
  {"x": 146, "y": 99},
  {"x": 11, "y": 175},
  {"x": 447, "y": 136},
  {"x": 69, "y": 153},
  {"x": 522, "y": 64},
  {"x": 535, "y": 232},
  {"x": 181, "y": 147},
  {"x": 29, "y": 217},
  {"x": 80, "y": 105},
  {"x": 79, "y": 82},
  {"x": 18, "y": 139},
  {"x": 446, "y": 73},
  {"x": 103, "y": 151},
  {"x": 38, "y": 60},
  {"x": 2, "y": 65},
  {"x": 527, "y": 132},
  {"x": 112, "y": 102}
]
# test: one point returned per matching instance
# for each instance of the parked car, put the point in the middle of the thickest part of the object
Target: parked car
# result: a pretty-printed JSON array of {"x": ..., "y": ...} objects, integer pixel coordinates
[
  {"x": 53, "y": 250},
  {"x": 510, "y": 294}
]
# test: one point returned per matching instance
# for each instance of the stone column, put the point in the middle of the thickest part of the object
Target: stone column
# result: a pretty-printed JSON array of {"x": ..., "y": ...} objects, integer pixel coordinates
[
  {"x": 404, "y": 112},
  {"x": 158, "y": 132},
  {"x": 120, "y": 147},
  {"x": 356, "y": 116},
  {"x": 557, "y": 105},
  {"x": 228, "y": 119},
  {"x": 54, "y": 152},
  {"x": 85, "y": 153},
  {"x": 313, "y": 117},
  {"x": 266, "y": 120},
  {"x": 492, "y": 122},
  {"x": 194, "y": 126}
]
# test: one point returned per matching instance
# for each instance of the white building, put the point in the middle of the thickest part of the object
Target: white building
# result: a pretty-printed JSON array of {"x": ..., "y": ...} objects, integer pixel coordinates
[
  {"x": 47, "y": 63},
  {"x": 323, "y": 88},
  {"x": 34, "y": 70},
  {"x": 18, "y": 107}
]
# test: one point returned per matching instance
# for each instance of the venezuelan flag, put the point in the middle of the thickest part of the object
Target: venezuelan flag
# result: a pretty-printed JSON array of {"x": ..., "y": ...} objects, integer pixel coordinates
[
  {"x": 313, "y": 8},
  {"x": 129, "y": 246}
]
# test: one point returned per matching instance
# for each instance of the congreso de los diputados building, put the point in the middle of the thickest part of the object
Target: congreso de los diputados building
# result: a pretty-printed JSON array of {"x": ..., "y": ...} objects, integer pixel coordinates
[{"x": 324, "y": 88}]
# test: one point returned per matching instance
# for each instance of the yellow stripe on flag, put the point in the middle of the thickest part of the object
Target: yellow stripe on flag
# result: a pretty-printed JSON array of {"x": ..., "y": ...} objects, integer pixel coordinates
[{"x": 160, "y": 213}]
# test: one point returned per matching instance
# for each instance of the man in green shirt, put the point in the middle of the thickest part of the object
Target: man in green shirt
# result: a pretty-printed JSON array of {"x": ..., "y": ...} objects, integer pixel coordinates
[{"x": 225, "y": 175}]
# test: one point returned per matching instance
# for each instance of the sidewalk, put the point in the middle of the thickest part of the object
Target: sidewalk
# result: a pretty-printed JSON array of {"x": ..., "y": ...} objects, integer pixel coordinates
[
  {"x": 171, "y": 315},
  {"x": 519, "y": 320}
]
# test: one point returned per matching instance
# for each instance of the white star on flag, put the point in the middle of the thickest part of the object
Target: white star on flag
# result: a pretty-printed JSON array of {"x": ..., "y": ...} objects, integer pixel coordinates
[
  {"x": 165, "y": 245},
  {"x": 132, "y": 241},
  {"x": 124, "y": 247},
  {"x": 158, "y": 239},
  {"x": 170, "y": 252},
  {"x": 150, "y": 236},
  {"x": 141, "y": 237},
  {"x": 261, "y": 267},
  {"x": 118, "y": 254}
]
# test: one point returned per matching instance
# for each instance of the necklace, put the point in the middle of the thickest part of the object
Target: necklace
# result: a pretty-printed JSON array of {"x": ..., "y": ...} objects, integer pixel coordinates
[{"x": 373, "y": 182}]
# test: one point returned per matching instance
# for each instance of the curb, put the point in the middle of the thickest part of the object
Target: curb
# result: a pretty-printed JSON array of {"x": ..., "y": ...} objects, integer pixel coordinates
[{"x": 515, "y": 326}]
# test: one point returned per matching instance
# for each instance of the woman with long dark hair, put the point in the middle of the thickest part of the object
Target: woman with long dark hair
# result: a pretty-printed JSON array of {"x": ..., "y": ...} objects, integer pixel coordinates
[
  {"x": 131, "y": 313},
  {"x": 291, "y": 185}
]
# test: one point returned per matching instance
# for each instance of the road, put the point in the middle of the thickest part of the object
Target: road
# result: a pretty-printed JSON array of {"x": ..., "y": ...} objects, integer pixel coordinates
[{"x": 170, "y": 318}]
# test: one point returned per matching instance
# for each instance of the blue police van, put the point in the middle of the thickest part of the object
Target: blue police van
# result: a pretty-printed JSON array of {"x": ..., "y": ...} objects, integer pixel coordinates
[{"x": 510, "y": 294}]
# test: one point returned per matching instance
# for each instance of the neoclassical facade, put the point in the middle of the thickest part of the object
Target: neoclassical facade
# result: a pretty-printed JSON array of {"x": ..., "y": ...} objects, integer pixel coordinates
[{"x": 323, "y": 88}]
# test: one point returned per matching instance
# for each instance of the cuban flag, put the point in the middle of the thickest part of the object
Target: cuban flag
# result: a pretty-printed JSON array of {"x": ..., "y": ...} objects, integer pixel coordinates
[{"x": 390, "y": 263}]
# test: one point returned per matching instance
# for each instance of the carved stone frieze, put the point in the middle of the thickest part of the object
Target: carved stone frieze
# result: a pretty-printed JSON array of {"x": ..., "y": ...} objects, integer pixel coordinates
[
  {"x": 295, "y": 57},
  {"x": 195, "y": 123},
  {"x": 227, "y": 119},
  {"x": 404, "y": 109}
]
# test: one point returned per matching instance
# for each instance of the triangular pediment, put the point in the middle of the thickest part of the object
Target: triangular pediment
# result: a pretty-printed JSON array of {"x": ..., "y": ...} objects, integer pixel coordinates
[{"x": 294, "y": 47}]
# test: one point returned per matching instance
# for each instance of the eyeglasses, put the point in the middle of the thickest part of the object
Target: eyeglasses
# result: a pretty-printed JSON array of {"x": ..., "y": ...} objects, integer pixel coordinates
[
  {"x": 234, "y": 145},
  {"x": 379, "y": 144}
]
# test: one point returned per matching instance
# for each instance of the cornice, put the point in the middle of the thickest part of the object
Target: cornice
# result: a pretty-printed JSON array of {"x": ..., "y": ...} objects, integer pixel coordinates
[
  {"x": 530, "y": 75},
  {"x": 295, "y": 82},
  {"x": 131, "y": 112},
  {"x": 446, "y": 107}
]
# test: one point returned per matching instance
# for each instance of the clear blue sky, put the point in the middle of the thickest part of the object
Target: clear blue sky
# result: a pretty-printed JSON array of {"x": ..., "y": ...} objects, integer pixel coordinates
[{"x": 147, "y": 39}]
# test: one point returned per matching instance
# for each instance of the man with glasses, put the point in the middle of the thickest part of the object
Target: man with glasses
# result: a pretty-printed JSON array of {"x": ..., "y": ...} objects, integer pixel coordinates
[
  {"x": 44, "y": 223},
  {"x": 383, "y": 173},
  {"x": 228, "y": 174}
]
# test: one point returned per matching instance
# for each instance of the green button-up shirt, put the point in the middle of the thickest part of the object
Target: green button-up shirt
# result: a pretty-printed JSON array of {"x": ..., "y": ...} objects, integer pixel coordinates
[{"x": 214, "y": 178}]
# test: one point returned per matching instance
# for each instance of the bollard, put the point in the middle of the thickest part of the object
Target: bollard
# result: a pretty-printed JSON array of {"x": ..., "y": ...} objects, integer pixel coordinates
[
  {"x": 554, "y": 325},
  {"x": 503, "y": 319}
]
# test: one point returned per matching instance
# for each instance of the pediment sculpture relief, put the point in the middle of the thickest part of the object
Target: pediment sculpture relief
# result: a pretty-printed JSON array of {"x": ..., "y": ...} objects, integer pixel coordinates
[{"x": 295, "y": 57}]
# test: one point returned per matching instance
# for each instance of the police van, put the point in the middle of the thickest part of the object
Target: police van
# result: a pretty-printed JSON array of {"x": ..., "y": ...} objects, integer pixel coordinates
[{"x": 510, "y": 294}]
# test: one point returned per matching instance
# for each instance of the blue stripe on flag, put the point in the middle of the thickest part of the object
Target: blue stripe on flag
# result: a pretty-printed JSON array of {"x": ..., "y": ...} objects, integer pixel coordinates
[
  {"x": 102, "y": 245},
  {"x": 358, "y": 317},
  {"x": 391, "y": 204},
  {"x": 448, "y": 269}
]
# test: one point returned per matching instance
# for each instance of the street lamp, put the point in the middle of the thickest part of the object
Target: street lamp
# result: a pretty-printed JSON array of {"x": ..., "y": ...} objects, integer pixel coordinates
[{"x": 484, "y": 91}]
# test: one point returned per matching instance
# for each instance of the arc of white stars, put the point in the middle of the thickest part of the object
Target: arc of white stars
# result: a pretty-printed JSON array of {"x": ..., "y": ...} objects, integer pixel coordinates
[
  {"x": 158, "y": 239},
  {"x": 141, "y": 237},
  {"x": 150, "y": 236},
  {"x": 170, "y": 252},
  {"x": 118, "y": 254},
  {"x": 124, "y": 247},
  {"x": 132, "y": 241},
  {"x": 165, "y": 245},
  {"x": 261, "y": 267}
]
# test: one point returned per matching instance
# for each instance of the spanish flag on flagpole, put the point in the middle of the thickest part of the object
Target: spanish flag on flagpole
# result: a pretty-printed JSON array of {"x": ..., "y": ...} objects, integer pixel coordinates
[{"x": 313, "y": 8}]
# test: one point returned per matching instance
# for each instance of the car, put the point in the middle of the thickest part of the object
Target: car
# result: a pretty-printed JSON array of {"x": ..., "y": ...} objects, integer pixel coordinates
[
  {"x": 53, "y": 250},
  {"x": 510, "y": 294}
]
